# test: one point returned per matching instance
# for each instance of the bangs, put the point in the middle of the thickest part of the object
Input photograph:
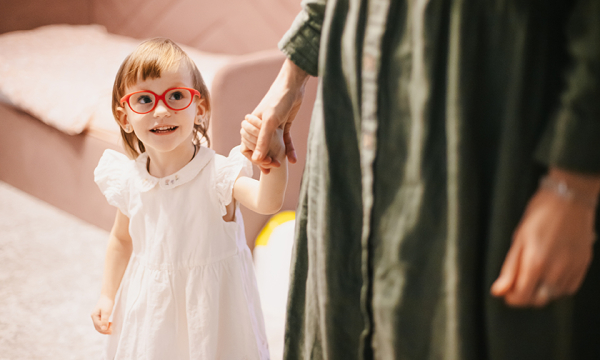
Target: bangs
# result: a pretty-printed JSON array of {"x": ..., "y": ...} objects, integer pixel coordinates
[{"x": 150, "y": 60}]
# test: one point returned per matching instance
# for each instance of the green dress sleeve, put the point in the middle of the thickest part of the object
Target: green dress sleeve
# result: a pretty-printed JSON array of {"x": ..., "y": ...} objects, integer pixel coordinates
[
  {"x": 301, "y": 42},
  {"x": 572, "y": 140}
]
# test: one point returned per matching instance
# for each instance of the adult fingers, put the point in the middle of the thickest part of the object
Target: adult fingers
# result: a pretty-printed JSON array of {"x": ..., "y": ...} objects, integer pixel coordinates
[
  {"x": 253, "y": 125},
  {"x": 290, "y": 152},
  {"x": 509, "y": 271},
  {"x": 267, "y": 129},
  {"x": 555, "y": 284},
  {"x": 576, "y": 278},
  {"x": 245, "y": 151},
  {"x": 552, "y": 282},
  {"x": 266, "y": 163},
  {"x": 555, "y": 281},
  {"x": 543, "y": 294},
  {"x": 531, "y": 267},
  {"x": 248, "y": 144}
]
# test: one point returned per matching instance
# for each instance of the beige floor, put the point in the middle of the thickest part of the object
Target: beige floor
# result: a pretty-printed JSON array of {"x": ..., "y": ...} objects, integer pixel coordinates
[{"x": 50, "y": 270}]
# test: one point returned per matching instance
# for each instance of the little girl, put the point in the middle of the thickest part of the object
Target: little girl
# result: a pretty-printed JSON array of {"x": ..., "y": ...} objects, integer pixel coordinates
[{"x": 178, "y": 277}]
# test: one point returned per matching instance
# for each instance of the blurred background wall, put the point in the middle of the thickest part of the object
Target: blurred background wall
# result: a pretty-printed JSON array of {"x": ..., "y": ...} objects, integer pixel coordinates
[{"x": 222, "y": 26}]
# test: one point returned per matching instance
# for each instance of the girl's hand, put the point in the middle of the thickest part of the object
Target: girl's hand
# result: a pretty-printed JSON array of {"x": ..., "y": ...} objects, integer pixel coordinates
[
  {"x": 101, "y": 314},
  {"x": 250, "y": 131}
]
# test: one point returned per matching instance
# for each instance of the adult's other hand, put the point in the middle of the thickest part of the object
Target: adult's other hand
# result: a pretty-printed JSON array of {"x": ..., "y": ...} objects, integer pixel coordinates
[{"x": 552, "y": 246}]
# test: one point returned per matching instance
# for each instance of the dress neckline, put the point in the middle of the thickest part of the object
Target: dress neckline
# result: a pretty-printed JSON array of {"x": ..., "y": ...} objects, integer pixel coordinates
[{"x": 182, "y": 176}]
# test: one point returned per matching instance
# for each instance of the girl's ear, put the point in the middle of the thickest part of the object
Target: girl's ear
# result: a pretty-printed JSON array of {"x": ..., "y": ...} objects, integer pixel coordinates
[
  {"x": 123, "y": 120},
  {"x": 201, "y": 110}
]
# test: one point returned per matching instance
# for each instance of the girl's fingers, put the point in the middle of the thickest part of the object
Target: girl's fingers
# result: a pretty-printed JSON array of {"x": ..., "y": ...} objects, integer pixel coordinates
[
  {"x": 96, "y": 318},
  {"x": 247, "y": 137},
  {"x": 101, "y": 322},
  {"x": 248, "y": 144},
  {"x": 250, "y": 128},
  {"x": 104, "y": 316},
  {"x": 254, "y": 121}
]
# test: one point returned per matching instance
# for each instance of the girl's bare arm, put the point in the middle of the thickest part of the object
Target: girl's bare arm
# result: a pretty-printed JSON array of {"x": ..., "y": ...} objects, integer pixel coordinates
[
  {"x": 118, "y": 253},
  {"x": 266, "y": 195}
]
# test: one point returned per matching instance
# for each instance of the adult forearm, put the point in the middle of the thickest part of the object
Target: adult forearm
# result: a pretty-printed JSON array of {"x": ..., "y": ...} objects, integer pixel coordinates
[{"x": 291, "y": 76}]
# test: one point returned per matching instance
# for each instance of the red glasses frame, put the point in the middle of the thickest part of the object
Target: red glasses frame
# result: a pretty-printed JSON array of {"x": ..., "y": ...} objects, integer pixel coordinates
[{"x": 160, "y": 97}]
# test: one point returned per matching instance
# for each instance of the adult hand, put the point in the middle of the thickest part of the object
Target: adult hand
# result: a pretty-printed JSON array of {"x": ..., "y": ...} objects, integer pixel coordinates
[
  {"x": 278, "y": 109},
  {"x": 250, "y": 132},
  {"x": 101, "y": 314},
  {"x": 551, "y": 250}
]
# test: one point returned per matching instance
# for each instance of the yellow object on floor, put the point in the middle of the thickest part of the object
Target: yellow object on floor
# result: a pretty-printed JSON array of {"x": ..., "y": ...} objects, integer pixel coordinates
[
  {"x": 263, "y": 238},
  {"x": 272, "y": 256}
]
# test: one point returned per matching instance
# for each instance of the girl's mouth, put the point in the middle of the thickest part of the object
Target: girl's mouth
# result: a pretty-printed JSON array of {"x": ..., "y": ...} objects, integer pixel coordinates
[{"x": 161, "y": 130}]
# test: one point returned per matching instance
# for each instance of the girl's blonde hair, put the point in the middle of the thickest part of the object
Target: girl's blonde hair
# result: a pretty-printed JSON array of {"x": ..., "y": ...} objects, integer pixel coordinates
[{"x": 148, "y": 61}]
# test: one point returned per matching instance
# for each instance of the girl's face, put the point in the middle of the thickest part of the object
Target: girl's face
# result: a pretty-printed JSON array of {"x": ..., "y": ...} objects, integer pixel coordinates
[{"x": 163, "y": 130}]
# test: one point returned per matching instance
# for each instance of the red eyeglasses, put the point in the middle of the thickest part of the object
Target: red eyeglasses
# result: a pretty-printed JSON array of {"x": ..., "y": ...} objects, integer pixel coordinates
[{"x": 142, "y": 102}]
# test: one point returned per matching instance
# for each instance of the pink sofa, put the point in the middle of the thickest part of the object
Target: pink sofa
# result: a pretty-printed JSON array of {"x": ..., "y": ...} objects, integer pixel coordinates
[{"x": 58, "y": 168}]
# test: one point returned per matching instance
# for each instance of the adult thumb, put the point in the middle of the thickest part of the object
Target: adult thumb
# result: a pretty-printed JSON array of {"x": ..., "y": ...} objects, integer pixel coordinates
[
  {"x": 509, "y": 271},
  {"x": 263, "y": 142}
]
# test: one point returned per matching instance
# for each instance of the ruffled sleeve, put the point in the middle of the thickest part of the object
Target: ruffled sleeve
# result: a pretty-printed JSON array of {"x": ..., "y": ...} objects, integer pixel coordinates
[
  {"x": 112, "y": 175},
  {"x": 227, "y": 171}
]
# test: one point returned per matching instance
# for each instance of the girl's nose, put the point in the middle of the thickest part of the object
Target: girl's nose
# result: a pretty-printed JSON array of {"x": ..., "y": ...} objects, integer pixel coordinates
[{"x": 161, "y": 109}]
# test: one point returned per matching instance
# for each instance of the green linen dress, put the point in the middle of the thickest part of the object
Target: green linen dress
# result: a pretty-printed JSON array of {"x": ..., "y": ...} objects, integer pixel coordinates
[{"x": 433, "y": 123}]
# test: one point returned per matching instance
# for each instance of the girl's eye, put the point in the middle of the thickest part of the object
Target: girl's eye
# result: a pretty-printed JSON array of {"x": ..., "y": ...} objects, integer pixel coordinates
[
  {"x": 144, "y": 99},
  {"x": 176, "y": 95}
]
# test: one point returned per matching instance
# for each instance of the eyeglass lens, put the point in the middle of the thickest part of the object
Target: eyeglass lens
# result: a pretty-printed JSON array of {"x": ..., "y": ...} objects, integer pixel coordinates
[{"x": 176, "y": 99}]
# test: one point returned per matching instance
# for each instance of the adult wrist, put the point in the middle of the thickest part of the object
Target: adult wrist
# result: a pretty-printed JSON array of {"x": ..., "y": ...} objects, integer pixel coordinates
[
  {"x": 574, "y": 188},
  {"x": 293, "y": 75}
]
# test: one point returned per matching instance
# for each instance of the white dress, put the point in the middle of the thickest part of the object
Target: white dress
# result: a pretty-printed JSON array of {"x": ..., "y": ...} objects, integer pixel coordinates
[{"x": 189, "y": 291}]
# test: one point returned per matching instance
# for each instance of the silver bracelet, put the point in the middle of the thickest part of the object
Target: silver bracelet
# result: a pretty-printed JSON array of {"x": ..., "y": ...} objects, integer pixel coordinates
[{"x": 563, "y": 190}]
